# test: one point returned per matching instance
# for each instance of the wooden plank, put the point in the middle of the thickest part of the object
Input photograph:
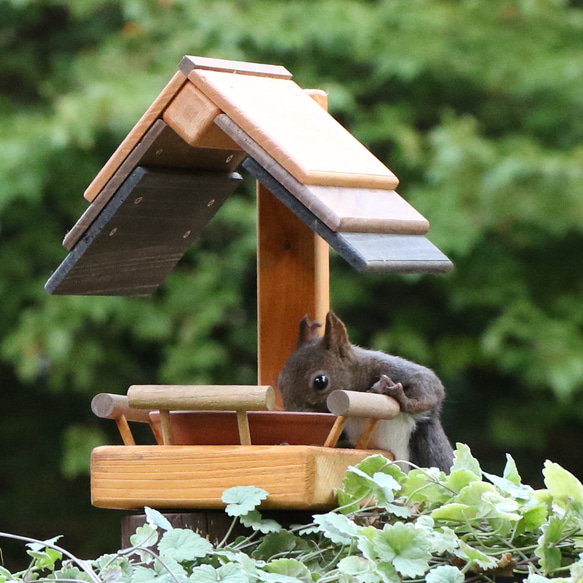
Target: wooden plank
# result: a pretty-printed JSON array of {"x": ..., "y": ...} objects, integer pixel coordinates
[
  {"x": 145, "y": 122},
  {"x": 189, "y": 63},
  {"x": 294, "y": 129},
  {"x": 340, "y": 208},
  {"x": 142, "y": 233},
  {"x": 292, "y": 280},
  {"x": 191, "y": 115},
  {"x": 296, "y": 477},
  {"x": 201, "y": 397},
  {"x": 160, "y": 147},
  {"x": 366, "y": 252}
]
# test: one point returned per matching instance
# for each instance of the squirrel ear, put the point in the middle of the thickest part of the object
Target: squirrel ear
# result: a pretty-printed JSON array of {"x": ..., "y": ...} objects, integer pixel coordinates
[
  {"x": 336, "y": 335},
  {"x": 308, "y": 331}
]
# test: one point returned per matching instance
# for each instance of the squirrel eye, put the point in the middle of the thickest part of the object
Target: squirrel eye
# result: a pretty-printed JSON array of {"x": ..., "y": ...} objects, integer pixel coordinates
[{"x": 321, "y": 382}]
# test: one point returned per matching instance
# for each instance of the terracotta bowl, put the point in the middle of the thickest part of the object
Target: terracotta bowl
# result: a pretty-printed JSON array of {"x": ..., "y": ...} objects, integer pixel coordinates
[{"x": 266, "y": 427}]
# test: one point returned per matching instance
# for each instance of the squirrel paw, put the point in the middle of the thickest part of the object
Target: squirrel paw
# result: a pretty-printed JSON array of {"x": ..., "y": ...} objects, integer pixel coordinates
[{"x": 386, "y": 386}]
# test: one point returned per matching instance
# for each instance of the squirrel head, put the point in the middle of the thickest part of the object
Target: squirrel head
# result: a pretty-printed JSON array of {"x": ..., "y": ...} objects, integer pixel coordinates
[{"x": 318, "y": 365}]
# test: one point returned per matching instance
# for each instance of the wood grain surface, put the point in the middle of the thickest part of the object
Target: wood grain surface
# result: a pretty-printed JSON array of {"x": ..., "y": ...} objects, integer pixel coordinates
[
  {"x": 176, "y": 476},
  {"x": 142, "y": 233},
  {"x": 294, "y": 129},
  {"x": 363, "y": 210}
]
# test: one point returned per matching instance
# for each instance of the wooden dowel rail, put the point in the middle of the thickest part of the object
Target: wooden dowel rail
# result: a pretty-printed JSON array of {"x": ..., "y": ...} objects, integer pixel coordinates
[
  {"x": 110, "y": 406},
  {"x": 166, "y": 398},
  {"x": 202, "y": 397},
  {"x": 373, "y": 406},
  {"x": 357, "y": 404}
]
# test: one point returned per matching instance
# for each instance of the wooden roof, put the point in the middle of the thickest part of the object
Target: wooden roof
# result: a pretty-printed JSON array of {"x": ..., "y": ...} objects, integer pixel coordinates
[{"x": 177, "y": 166}]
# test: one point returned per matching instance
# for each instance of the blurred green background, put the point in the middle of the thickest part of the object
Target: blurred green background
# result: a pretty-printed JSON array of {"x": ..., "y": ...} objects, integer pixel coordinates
[{"x": 477, "y": 106}]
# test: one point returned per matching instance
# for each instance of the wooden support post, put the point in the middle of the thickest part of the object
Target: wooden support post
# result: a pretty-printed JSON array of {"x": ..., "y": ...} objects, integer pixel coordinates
[
  {"x": 336, "y": 431},
  {"x": 125, "y": 431},
  {"x": 166, "y": 427},
  {"x": 243, "y": 426},
  {"x": 293, "y": 279},
  {"x": 366, "y": 434}
]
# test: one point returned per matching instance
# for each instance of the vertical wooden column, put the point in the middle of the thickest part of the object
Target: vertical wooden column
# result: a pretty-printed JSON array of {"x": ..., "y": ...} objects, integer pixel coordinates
[{"x": 293, "y": 280}]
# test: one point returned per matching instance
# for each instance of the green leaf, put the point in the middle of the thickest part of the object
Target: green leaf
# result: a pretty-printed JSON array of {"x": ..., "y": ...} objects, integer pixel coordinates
[
  {"x": 516, "y": 490},
  {"x": 474, "y": 556},
  {"x": 547, "y": 549},
  {"x": 460, "y": 478},
  {"x": 511, "y": 471},
  {"x": 402, "y": 545},
  {"x": 463, "y": 459},
  {"x": 562, "y": 485},
  {"x": 143, "y": 575},
  {"x": 255, "y": 521},
  {"x": 503, "y": 506},
  {"x": 425, "y": 486},
  {"x": 445, "y": 574},
  {"x": 145, "y": 536},
  {"x": 156, "y": 519},
  {"x": 76, "y": 574},
  {"x": 229, "y": 573},
  {"x": 291, "y": 568},
  {"x": 275, "y": 543},
  {"x": 45, "y": 559},
  {"x": 182, "y": 544},
  {"x": 337, "y": 527},
  {"x": 242, "y": 499},
  {"x": 454, "y": 512},
  {"x": 355, "y": 565}
]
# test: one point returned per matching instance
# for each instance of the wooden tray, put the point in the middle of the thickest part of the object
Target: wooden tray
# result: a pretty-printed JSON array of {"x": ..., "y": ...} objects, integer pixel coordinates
[
  {"x": 182, "y": 476},
  {"x": 266, "y": 427}
]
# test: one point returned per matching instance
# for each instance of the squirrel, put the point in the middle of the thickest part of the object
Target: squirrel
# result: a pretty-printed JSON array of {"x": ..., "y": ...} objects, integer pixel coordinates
[{"x": 322, "y": 364}]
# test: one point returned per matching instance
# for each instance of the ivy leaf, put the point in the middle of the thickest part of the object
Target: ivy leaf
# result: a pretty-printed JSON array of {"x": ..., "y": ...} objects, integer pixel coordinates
[
  {"x": 423, "y": 486},
  {"x": 242, "y": 499},
  {"x": 255, "y": 521},
  {"x": 168, "y": 567},
  {"x": 454, "y": 512},
  {"x": 145, "y": 536},
  {"x": 442, "y": 540},
  {"x": 229, "y": 573},
  {"x": 547, "y": 551},
  {"x": 143, "y": 575},
  {"x": 463, "y": 459},
  {"x": 460, "y": 478},
  {"x": 474, "y": 556},
  {"x": 511, "y": 471},
  {"x": 275, "y": 543},
  {"x": 445, "y": 574},
  {"x": 291, "y": 568},
  {"x": 473, "y": 496},
  {"x": 387, "y": 572},
  {"x": 46, "y": 558},
  {"x": 504, "y": 507},
  {"x": 156, "y": 519},
  {"x": 183, "y": 544},
  {"x": 514, "y": 489},
  {"x": 403, "y": 545},
  {"x": 75, "y": 574},
  {"x": 359, "y": 569},
  {"x": 337, "y": 527},
  {"x": 563, "y": 485}
]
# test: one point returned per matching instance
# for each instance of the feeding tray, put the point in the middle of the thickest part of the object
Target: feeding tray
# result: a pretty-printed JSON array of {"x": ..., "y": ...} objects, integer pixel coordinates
[
  {"x": 202, "y": 453},
  {"x": 266, "y": 427}
]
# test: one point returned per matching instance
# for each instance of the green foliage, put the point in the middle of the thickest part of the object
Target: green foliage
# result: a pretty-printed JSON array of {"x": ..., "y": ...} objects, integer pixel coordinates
[
  {"x": 477, "y": 107},
  {"x": 438, "y": 541}
]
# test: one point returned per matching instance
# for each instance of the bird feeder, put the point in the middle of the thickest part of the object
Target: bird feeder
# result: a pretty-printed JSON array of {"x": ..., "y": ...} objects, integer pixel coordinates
[{"x": 318, "y": 187}]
